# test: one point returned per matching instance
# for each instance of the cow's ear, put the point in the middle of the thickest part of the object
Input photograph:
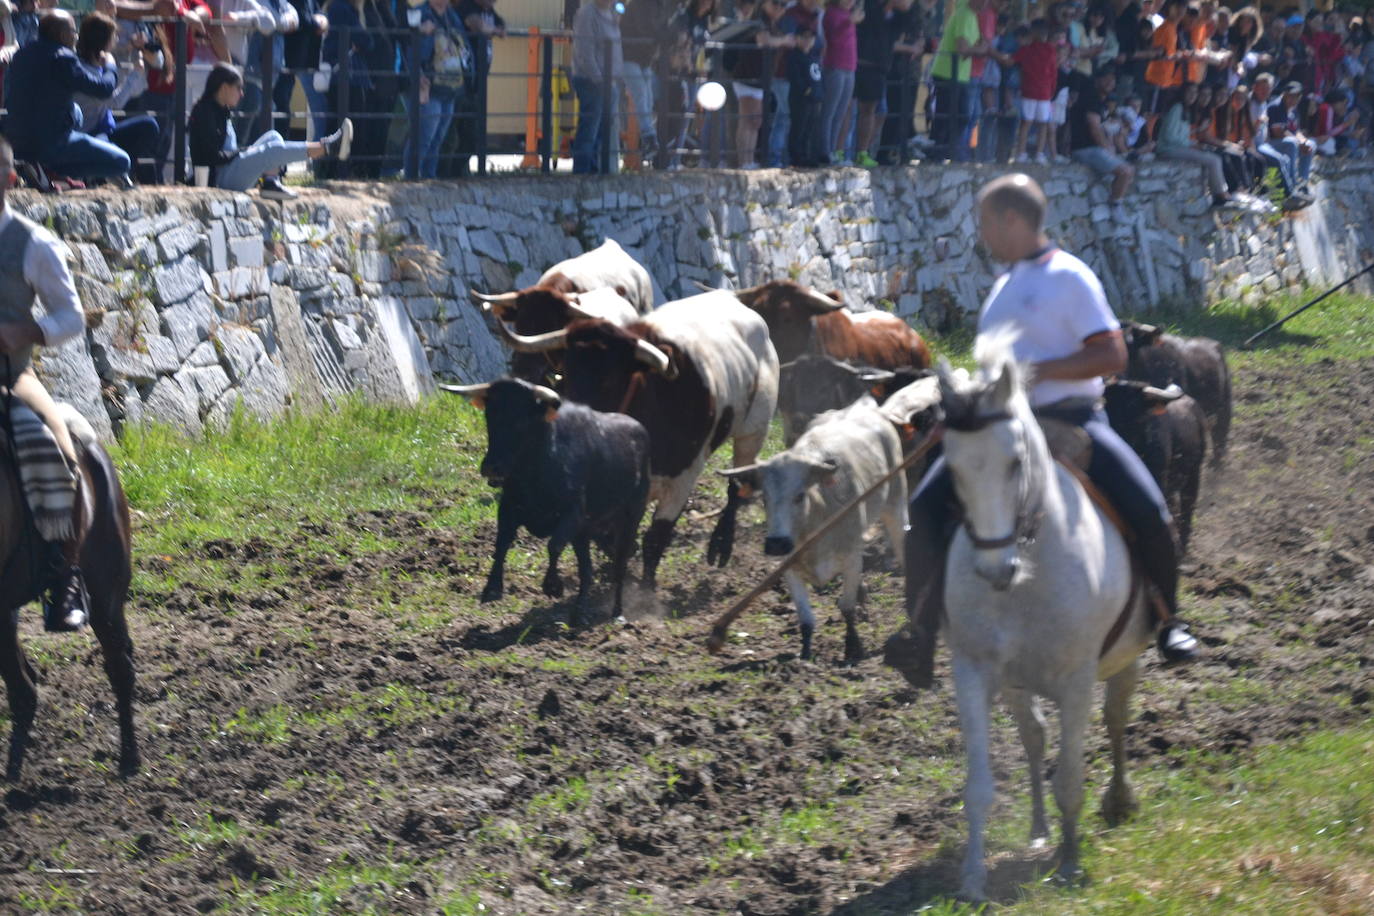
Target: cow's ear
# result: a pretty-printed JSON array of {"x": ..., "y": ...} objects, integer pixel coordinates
[
  {"x": 1150, "y": 334},
  {"x": 479, "y": 401},
  {"x": 550, "y": 413},
  {"x": 826, "y": 472}
]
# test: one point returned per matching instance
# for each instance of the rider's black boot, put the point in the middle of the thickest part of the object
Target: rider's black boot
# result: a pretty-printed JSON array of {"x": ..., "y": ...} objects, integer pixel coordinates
[{"x": 67, "y": 606}]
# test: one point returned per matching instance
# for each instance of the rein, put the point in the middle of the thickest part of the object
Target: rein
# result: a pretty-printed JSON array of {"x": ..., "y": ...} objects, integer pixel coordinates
[{"x": 1028, "y": 516}]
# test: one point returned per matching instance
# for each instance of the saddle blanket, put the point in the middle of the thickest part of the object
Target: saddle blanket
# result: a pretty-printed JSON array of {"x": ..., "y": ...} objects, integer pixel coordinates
[{"x": 49, "y": 484}]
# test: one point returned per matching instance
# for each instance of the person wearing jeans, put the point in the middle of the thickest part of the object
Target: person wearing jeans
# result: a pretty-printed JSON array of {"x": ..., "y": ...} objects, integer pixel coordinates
[
  {"x": 446, "y": 71},
  {"x": 215, "y": 147},
  {"x": 596, "y": 29},
  {"x": 301, "y": 56},
  {"x": 838, "y": 64},
  {"x": 641, "y": 30},
  {"x": 41, "y": 123}
]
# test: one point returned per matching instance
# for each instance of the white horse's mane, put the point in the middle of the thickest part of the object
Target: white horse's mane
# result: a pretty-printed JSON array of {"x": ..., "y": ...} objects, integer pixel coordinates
[{"x": 995, "y": 354}]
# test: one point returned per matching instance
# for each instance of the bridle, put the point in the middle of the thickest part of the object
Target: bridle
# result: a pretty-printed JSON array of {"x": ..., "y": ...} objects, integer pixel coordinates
[{"x": 1028, "y": 513}]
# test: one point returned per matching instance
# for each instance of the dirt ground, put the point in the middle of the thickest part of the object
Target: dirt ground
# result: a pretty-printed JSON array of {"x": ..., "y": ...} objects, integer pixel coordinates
[{"x": 301, "y": 735}]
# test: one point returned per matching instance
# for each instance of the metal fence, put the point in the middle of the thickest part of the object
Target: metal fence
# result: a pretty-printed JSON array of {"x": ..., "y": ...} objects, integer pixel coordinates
[{"x": 547, "y": 104}]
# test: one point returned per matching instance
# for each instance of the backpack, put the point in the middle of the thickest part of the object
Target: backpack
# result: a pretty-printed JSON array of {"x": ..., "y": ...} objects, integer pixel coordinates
[{"x": 452, "y": 61}]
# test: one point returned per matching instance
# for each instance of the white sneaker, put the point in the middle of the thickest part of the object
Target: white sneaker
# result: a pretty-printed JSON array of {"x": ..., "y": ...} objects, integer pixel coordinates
[
  {"x": 340, "y": 143},
  {"x": 1041, "y": 158},
  {"x": 1023, "y": 157}
]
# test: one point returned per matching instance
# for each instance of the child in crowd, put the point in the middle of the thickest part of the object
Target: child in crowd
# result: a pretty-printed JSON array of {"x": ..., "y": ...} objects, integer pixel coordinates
[
  {"x": 1038, "y": 61},
  {"x": 1139, "y": 147}
]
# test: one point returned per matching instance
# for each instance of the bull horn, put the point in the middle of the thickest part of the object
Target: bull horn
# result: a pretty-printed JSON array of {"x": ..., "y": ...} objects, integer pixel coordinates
[
  {"x": 736, "y": 472},
  {"x": 575, "y": 308},
  {"x": 547, "y": 395},
  {"x": 877, "y": 375},
  {"x": 704, "y": 287},
  {"x": 487, "y": 301},
  {"x": 819, "y": 303},
  {"x": 1172, "y": 393},
  {"x": 467, "y": 391},
  {"x": 535, "y": 343},
  {"x": 651, "y": 355}
]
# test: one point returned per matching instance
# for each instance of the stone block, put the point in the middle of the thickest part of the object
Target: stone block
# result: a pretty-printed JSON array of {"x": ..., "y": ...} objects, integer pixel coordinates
[
  {"x": 172, "y": 403},
  {"x": 176, "y": 281},
  {"x": 176, "y": 241},
  {"x": 89, "y": 261},
  {"x": 242, "y": 282},
  {"x": 210, "y": 383},
  {"x": 246, "y": 251},
  {"x": 239, "y": 350},
  {"x": 188, "y": 323}
]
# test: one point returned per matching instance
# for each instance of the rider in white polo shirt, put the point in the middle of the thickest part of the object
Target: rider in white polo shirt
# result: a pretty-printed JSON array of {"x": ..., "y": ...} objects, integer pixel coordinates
[{"x": 1068, "y": 333}]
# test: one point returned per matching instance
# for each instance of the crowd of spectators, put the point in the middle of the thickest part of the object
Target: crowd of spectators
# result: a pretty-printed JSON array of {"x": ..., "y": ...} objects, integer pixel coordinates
[{"x": 1249, "y": 95}]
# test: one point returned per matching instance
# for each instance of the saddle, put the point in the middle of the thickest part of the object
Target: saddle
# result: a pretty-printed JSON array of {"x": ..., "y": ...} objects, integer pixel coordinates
[{"x": 1072, "y": 448}]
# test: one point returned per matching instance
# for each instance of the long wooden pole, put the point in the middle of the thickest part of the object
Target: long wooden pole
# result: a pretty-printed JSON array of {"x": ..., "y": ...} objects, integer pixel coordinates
[
  {"x": 716, "y": 641},
  {"x": 1250, "y": 341}
]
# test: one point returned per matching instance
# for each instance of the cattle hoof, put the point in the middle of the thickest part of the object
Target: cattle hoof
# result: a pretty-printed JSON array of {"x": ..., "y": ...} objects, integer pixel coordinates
[
  {"x": 491, "y": 593},
  {"x": 719, "y": 551},
  {"x": 854, "y": 650},
  {"x": 553, "y": 586}
]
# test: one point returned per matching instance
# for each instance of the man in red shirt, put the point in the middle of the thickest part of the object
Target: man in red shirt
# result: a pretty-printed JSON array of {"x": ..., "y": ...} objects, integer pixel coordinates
[{"x": 1038, "y": 60}]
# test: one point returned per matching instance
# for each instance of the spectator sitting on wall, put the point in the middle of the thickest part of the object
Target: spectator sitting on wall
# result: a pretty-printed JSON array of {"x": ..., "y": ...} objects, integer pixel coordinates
[
  {"x": 1236, "y": 125},
  {"x": 1089, "y": 145},
  {"x": 1287, "y": 139},
  {"x": 1203, "y": 123},
  {"x": 42, "y": 123},
  {"x": 596, "y": 36},
  {"x": 214, "y": 146},
  {"x": 1337, "y": 129},
  {"x": 136, "y": 135},
  {"x": 1176, "y": 142}
]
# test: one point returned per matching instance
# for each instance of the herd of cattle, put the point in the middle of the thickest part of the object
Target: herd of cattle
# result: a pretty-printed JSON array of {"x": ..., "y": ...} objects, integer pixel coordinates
[{"x": 616, "y": 401}]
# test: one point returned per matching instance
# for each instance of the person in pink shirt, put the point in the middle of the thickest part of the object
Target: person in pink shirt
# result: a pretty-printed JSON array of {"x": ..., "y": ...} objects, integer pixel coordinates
[
  {"x": 1039, "y": 63},
  {"x": 1326, "y": 49},
  {"x": 838, "y": 64}
]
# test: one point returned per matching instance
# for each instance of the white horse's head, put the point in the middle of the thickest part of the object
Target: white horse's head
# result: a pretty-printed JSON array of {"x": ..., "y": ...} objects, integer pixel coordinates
[{"x": 995, "y": 456}]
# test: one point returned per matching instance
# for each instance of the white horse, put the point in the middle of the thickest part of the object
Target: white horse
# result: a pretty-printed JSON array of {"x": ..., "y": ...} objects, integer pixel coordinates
[{"x": 1037, "y": 580}]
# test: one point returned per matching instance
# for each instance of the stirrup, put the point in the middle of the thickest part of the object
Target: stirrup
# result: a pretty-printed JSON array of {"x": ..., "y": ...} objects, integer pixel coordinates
[
  {"x": 66, "y": 608},
  {"x": 1176, "y": 644}
]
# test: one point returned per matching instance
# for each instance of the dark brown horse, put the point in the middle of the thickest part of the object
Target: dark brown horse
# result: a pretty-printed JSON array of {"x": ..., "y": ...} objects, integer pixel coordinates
[{"x": 103, "y": 523}]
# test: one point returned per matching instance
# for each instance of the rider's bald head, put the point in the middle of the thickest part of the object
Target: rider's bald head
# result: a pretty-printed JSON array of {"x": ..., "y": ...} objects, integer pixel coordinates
[{"x": 1017, "y": 194}]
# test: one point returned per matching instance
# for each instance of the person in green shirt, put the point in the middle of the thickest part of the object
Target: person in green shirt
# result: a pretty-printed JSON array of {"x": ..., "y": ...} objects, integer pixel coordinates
[{"x": 961, "y": 42}]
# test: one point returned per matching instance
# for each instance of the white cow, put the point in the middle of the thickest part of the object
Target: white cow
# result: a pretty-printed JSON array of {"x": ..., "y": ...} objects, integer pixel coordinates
[{"x": 839, "y": 456}]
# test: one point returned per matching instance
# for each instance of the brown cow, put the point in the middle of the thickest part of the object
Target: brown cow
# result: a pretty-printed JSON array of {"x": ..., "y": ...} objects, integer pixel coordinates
[{"x": 876, "y": 339}]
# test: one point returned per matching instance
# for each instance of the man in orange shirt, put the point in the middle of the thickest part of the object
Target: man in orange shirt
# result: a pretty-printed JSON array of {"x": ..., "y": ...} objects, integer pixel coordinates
[{"x": 1165, "y": 72}]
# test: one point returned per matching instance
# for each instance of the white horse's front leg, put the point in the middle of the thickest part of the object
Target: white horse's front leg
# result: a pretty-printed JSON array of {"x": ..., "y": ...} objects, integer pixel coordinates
[
  {"x": 1118, "y": 802},
  {"x": 974, "y": 689},
  {"x": 806, "y": 617},
  {"x": 1030, "y": 723},
  {"x": 1068, "y": 775}
]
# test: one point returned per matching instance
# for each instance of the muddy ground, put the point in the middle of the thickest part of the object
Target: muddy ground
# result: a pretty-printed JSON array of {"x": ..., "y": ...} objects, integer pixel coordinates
[{"x": 318, "y": 736}]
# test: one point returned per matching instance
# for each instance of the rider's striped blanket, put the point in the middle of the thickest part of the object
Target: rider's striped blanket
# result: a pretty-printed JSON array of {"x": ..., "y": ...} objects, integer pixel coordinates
[{"x": 49, "y": 484}]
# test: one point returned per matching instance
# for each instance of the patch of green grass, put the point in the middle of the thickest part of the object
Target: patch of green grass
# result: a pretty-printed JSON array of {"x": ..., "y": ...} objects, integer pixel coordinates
[
  {"x": 347, "y": 886},
  {"x": 571, "y": 796},
  {"x": 1288, "y": 833},
  {"x": 326, "y": 465}
]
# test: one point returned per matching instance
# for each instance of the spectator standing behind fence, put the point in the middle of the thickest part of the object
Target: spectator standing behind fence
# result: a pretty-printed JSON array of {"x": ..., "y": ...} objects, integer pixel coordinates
[
  {"x": 1089, "y": 144},
  {"x": 301, "y": 57},
  {"x": 373, "y": 112},
  {"x": 1039, "y": 63},
  {"x": 641, "y": 31},
  {"x": 805, "y": 145},
  {"x": 749, "y": 69},
  {"x": 951, "y": 71},
  {"x": 346, "y": 49},
  {"x": 136, "y": 135},
  {"x": 878, "y": 37},
  {"x": 596, "y": 31},
  {"x": 45, "y": 77},
  {"x": 215, "y": 148},
  {"x": 1164, "y": 73},
  {"x": 444, "y": 70},
  {"x": 838, "y": 64},
  {"x": 483, "y": 24}
]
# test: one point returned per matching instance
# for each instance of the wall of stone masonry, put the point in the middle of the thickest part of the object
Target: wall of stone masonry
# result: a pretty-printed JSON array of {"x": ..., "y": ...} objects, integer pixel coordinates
[{"x": 203, "y": 302}]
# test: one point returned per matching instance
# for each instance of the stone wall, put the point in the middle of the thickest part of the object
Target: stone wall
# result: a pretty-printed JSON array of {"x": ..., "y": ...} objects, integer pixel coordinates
[{"x": 203, "y": 302}]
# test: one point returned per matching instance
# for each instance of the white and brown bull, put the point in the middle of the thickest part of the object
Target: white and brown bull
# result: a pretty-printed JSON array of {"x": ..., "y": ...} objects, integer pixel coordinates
[
  {"x": 694, "y": 372},
  {"x": 602, "y": 283},
  {"x": 842, "y": 454}
]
